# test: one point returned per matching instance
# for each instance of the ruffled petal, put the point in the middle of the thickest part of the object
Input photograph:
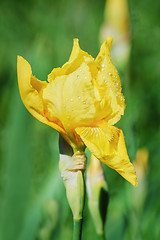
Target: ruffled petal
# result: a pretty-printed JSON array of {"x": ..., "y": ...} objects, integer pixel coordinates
[
  {"x": 31, "y": 92},
  {"x": 78, "y": 56},
  {"x": 108, "y": 145},
  {"x": 110, "y": 103},
  {"x": 71, "y": 98}
]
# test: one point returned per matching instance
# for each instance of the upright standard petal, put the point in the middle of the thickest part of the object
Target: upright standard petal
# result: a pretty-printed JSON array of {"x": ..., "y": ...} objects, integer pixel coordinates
[
  {"x": 70, "y": 93},
  {"x": 71, "y": 97},
  {"x": 108, "y": 84},
  {"x": 108, "y": 145},
  {"x": 31, "y": 92},
  {"x": 78, "y": 56}
]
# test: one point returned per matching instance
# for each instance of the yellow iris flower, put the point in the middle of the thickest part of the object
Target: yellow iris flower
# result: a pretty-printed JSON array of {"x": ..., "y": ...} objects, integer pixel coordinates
[{"x": 82, "y": 100}]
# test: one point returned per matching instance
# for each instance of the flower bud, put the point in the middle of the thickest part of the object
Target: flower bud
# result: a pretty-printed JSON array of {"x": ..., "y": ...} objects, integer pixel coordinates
[
  {"x": 116, "y": 23},
  {"x": 72, "y": 168},
  {"x": 98, "y": 197},
  {"x": 141, "y": 163},
  {"x": 141, "y": 166}
]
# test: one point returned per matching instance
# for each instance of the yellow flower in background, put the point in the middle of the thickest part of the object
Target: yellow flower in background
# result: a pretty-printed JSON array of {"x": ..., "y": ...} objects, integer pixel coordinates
[
  {"x": 141, "y": 163},
  {"x": 138, "y": 196},
  {"x": 116, "y": 23},
  {"x": 82, "y": 100},
  {"x": 117, "y": 15}
]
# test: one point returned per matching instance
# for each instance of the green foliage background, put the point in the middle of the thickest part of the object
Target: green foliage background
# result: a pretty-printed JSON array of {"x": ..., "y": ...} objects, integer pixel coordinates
[{"x": 33, "y": 204}]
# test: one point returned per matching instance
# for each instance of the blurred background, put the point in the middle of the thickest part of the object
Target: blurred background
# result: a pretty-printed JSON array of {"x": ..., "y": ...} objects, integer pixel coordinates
[{"x": 33, "y": 204}]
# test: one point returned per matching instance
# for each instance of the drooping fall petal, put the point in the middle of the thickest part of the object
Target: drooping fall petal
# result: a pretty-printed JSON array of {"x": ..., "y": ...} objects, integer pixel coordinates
[
  {"x": 31, "y": 92},
  {"x": 108, "y": 145}
]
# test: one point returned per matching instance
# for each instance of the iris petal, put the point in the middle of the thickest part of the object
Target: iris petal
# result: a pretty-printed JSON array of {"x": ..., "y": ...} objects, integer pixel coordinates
[
  {"x": 111, "y": 101},
  {"x": 71, "y": 98},
  {"x": 31, "y": 92},
  {"x": 78, "y": 56},
  {"x": 108, "y": 145}
]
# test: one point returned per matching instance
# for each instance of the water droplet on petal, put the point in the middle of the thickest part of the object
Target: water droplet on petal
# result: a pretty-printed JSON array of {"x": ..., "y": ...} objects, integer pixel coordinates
[
  {"x": 109, "y": 74},
  {"x": 79, "y": 97},
  {"x": 102, "y": 69},
  {"x": 71, "y": 99},
  {"x": 102, "y": 65}
]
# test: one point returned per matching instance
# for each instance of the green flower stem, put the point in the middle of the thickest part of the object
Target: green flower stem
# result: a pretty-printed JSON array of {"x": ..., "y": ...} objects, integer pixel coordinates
[{"x": 77, "y": 229}]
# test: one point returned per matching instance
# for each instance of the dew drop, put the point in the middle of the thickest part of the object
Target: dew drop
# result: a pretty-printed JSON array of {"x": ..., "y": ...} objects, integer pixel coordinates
[
  {"x": 71, "y": 99},
  {"x": 79, "y": 97},
  {"x": 109, "y": 74},
  {"x": 102, "y": 69},
  {"x": 102, "y": 65}
]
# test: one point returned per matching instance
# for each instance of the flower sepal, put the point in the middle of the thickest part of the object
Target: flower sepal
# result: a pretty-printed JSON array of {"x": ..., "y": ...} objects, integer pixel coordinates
[{"x": 72, "y": 168}]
